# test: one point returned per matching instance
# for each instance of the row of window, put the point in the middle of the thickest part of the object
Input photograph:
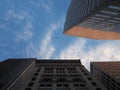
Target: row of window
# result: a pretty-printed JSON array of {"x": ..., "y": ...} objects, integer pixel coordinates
[
  {"x": 110, "y": 83},
  {"x": 60, "y": 70},
  {"x": 77, "y": 79},
  {"x": 90, "y": 79},
  {"x": 31, "y": 83},
  {"x": 61, "y": 85}
]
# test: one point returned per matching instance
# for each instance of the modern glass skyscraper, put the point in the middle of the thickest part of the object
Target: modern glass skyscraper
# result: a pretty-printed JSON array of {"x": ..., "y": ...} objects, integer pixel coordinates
[{"x": 98, "y": 19}]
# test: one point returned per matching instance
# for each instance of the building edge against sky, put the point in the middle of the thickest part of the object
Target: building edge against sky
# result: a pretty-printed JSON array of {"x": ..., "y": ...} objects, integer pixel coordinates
[
  {"x": 40, "y": 74},
  {"x": 97, "y": 19}
]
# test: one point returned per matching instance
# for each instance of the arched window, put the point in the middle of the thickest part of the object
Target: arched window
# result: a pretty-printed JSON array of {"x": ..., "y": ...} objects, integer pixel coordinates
[
  {"x": 62, "y": 84},
  {"x": 46, "y": 80},
  {"x": 45, "y": 84},
  {"x": 78, "y": 83},
  {"x": 76, "y": 80}
]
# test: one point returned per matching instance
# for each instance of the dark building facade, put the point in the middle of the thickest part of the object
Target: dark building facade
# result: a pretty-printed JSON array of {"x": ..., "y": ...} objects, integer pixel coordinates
[
  {"x": 107, "y": 73},
  {"x": 98, "y": 19},
  {"x": 36, "y": 74}
]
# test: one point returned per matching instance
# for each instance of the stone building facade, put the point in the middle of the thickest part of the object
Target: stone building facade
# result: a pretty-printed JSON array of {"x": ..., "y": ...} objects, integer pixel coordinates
[{"x": 55, "y": 75}]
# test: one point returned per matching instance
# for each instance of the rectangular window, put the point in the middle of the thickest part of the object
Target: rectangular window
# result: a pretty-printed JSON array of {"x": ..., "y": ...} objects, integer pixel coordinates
[{"x": 30, "y": 83}]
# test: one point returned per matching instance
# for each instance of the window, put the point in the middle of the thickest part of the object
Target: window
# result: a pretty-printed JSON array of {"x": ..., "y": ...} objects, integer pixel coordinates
[
  {"x": 27, "y": 88},
  {"x": 45, "y": 85},
  {"x": 99, "y": 89},
  {"x": 42, "y": 85},
  {"x": 48, "y": 70},
  {"x": 59, "y": 85},
  {"x": 35, "y": 74},
  {"x": 65, "y": 85},
  {"x": 30, "y": 84},
  {"x": 85, "y": 74},
  {"x": 94, "y": 84},
  {"x": 82, "y": 85},
  {"x": 72, "y": 70},
  {"x": 38, "y": 71},
  {"x": 76, "y": 80},
  {"x": 46, "y": 80},
  {"x": 62, "y": 80},
  {"x": 49, "y": 85},
  {"x": 82, "y": 70},
  {"x": 76, "y": 85},
  {"x": 39, "y": 68},
  {"x": 89, "y": 78},
  {"x": 62, "y": 85},
  {"x": 60, "y": 70},
  {"x": 33, "y": 79}
]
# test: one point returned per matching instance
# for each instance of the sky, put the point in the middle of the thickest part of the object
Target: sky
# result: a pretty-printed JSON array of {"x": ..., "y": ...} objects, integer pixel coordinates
[{"x": 34, "y": 29}]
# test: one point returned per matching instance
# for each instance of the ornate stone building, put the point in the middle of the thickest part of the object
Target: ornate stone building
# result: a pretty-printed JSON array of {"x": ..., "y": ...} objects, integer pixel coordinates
[{"x": 49, "y": 75}]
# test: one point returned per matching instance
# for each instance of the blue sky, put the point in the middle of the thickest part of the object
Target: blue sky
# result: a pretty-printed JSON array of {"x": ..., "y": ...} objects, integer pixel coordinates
[{"x": 34, "y": 29}]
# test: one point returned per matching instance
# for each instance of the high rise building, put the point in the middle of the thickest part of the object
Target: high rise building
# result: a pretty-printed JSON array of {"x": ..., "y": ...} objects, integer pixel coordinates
[
  {"x": 11, "y": 70},
  {"x": 36, "y": 74},
  {"x": 107, "y": 73},
  {"x": 97, "y": 19}
]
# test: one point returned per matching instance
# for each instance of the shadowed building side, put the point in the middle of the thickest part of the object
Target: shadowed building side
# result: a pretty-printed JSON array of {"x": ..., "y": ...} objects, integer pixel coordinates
[
  {"x": 107, "y": 73},
  {"x": 97, "y": 19},
  {"x": 11, "y": 69}
]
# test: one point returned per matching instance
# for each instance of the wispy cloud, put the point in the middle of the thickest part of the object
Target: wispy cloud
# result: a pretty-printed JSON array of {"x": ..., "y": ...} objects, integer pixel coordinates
[
  {"x": 25, "y": 34},
  {"x": 74, "y": 50},
  {"x": 45, "y": 5},
  {"x": 108, "y": 51},
  {"x": 46, "y": 48},
  {"x": 12, "y": 14},
  {"x": 16, "y": 17}
]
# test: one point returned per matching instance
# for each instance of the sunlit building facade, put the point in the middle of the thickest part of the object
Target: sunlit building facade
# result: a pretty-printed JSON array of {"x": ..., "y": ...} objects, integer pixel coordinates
[
  {"x": 49, "y": 75},
  {"x": 97, "y": 19},
  {"x": 107, "y": 73}
]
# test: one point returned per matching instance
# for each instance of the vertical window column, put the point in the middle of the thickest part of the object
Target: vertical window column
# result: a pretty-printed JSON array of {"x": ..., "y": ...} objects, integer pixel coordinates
[
  {"x": 71, "y": 86},
  {"x": 66, "y": 71},
  {"x": 41, "y": 71},
  {"x": 54, "y": 71},
  {"x": 35, "y": 87},
  {"x": 84, "y": 74},
  {"x": 54, "y": 86}
]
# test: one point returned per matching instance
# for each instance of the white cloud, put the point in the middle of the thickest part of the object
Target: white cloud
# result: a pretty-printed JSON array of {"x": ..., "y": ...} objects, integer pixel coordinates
[
  {"x": 25, "y": 34},
  {"x": 47, "y": 6},
  {"x": 30, "y": 51},
  {"x": 73, "y": 51},
  {"x": 17, "y": 15},
  {"x": 12, "y": 14},
  {"x": 108, "y": 51},
  {"x": 2, "y": 26},
  {"x": 46, "y": 48}
]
